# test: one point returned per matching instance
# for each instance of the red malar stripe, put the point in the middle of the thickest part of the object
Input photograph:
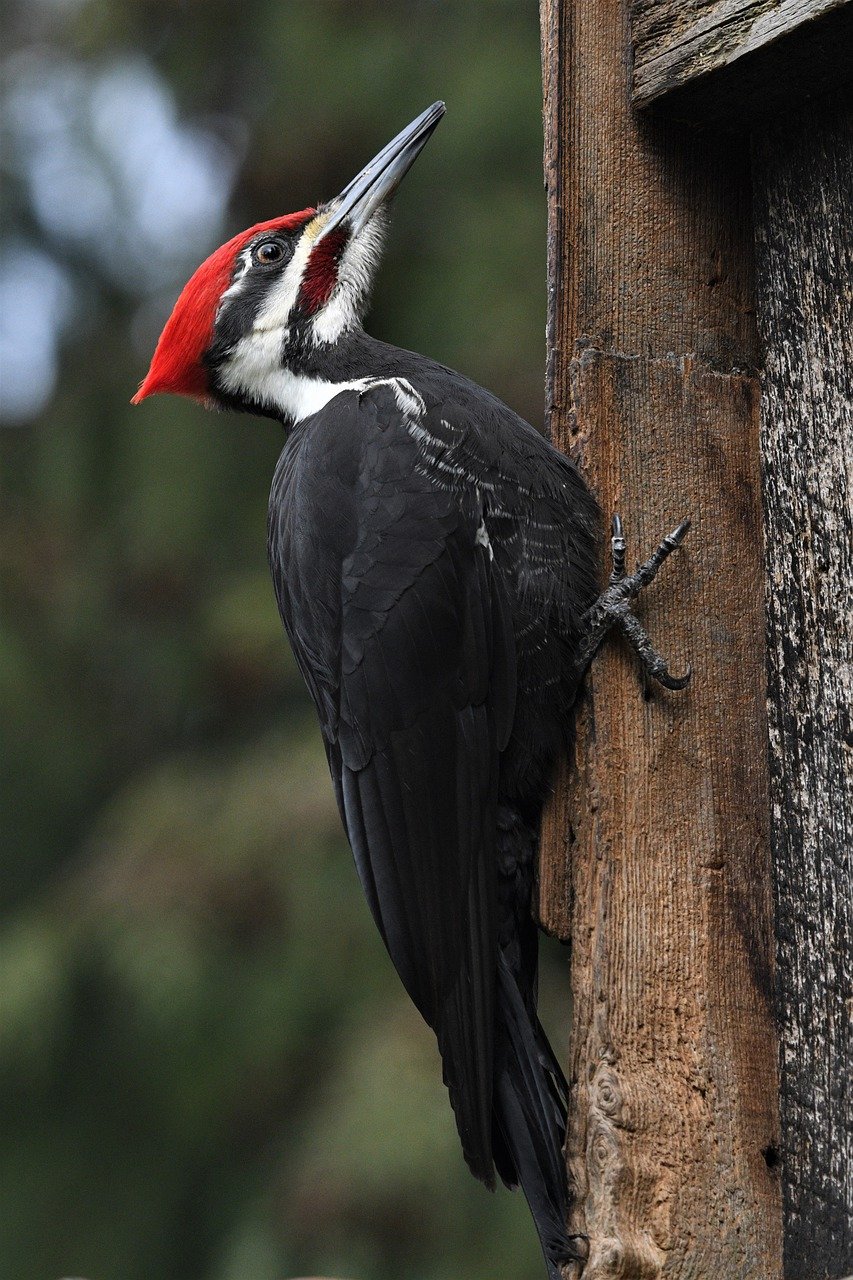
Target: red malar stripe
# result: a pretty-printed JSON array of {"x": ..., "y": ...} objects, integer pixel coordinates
[{"x": 321, "y": 271}]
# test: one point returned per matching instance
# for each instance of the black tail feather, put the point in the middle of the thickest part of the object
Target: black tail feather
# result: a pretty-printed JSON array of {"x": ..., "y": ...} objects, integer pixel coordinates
[{"x": 530, "y": 1121}]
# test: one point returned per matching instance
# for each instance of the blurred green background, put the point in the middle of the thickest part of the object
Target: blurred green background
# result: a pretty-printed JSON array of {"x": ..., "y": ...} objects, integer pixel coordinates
[{"x": 208, "y": 1069}]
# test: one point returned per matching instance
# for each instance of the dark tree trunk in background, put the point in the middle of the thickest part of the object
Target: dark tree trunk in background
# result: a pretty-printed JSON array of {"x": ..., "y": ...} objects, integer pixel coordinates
[
  {"x": 655, "y": 856},
  {"x": 803, "y": 179}
]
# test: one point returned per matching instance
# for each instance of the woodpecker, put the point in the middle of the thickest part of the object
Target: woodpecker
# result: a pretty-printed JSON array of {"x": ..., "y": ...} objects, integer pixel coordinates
[{"x": 435, "y": 562}]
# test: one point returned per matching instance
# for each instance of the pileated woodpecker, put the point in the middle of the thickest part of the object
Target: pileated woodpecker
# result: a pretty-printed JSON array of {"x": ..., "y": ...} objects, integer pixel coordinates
[{"x": 435, "y": 565}]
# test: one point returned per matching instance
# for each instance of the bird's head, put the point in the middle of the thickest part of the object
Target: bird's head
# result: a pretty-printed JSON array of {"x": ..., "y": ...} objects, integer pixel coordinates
[{"x": 260, "y": 310}]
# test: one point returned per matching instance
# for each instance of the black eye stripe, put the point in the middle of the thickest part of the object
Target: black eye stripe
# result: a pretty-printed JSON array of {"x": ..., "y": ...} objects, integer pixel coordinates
[{"x": 254, "y": 281}]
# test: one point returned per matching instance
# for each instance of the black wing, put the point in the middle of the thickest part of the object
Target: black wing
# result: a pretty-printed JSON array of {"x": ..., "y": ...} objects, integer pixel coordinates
[{"x": 389, "y": 593}]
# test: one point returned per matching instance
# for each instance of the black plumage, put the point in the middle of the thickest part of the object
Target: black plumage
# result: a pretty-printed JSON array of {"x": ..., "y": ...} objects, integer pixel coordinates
[{"x": 433, "y": 557}]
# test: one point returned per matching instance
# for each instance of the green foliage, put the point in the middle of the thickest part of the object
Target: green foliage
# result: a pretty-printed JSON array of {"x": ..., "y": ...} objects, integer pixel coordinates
[{"x": 209, "y": 1070}]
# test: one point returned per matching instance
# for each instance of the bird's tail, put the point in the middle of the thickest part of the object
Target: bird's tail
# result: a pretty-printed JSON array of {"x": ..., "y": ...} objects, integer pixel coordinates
[{"x": 530, "y": 1101}]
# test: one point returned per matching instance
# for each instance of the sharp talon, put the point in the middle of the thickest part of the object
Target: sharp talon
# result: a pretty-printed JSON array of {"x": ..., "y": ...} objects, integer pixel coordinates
[
  {"x": 673, "y": 540},
  {"x": 580, "y": 1242},
  {"x": 617, "y": 550},
  {"x": 678, "y": 535},
  {"x": 673, "y": 682},
  {"x": 652, "y": 663}
]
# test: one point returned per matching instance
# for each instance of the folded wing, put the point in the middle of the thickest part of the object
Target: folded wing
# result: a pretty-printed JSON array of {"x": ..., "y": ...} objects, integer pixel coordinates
[{"x": 416, "y": 700}]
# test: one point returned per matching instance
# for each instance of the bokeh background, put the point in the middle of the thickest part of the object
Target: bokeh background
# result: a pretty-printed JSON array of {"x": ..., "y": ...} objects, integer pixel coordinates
[{"x": 208, "y": 1069}]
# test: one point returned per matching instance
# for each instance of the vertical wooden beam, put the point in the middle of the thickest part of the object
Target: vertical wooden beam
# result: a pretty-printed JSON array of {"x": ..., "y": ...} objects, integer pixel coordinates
[
  {"x": 655, "y": 856},
  {"x": 803, "y": 180}
]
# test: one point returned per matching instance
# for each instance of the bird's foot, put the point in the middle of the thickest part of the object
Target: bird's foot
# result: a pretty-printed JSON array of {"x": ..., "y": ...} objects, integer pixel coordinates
[{"x": 613, "y": 606}]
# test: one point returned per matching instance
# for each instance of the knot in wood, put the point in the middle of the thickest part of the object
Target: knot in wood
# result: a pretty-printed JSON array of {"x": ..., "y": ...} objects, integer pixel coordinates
[
  {"x": 603, "y": 1153},
  {"x": 608, "y": 1094}
]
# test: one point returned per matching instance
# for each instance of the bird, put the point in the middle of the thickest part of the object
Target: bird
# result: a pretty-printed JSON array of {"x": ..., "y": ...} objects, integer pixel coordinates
[{"x": 435, "y": 561}]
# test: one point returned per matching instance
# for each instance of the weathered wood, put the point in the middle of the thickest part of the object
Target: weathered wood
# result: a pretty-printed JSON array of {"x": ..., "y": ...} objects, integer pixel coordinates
[
  {"x": 676, "y": 41},
  {"x": 736, "y": 57},
  {"x": 656, "y": 860},
  {"x": 672, "y": 940},
  {"x": 803, "y": 177}
]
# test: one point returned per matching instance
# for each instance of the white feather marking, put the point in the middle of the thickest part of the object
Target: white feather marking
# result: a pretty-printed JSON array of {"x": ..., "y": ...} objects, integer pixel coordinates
[
  {"x": 432, "y": 447},
  {"x": 482, "y": 539},
  {"x": 254, "y": 368},
  {"x": 409, "y": 401}
]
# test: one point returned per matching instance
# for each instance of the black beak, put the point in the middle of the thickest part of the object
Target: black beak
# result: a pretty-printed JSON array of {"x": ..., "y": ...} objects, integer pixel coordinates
[{"x": 379, "y": 179}]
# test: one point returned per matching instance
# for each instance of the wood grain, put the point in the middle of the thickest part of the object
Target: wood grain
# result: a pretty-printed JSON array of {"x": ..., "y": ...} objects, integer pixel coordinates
[
  {"x": 655, "y": 858},
  {"x": 803, "y": 175},
  {"x": 729, "y": 55}
]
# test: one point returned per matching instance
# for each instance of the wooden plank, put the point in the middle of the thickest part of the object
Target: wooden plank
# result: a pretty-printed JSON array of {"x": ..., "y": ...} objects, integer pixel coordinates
[
  {"x": 803, "y": 177},
  {"x": 732, "y": 58},
  {"x": 673, "y": 1053},
  {"x": 655, "y": 860}
]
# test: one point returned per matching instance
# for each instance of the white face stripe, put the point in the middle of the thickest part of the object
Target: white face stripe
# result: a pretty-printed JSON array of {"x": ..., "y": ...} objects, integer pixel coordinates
[
  {"x": 275, "y": 313},
  {"x": 250, "y": 370}
]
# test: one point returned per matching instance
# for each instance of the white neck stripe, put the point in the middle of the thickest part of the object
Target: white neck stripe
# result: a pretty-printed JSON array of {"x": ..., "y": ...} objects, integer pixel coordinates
[{"x": 253, "y": 370}]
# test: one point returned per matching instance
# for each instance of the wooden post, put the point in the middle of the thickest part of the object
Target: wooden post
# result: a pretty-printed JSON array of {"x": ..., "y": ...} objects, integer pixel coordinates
[
  {"x": 655, "y": 855},
  {"x": 803, "y": 179}
]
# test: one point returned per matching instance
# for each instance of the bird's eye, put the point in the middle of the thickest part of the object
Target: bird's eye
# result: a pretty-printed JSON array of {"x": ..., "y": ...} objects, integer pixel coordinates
[{"x": 267, "y": 252}]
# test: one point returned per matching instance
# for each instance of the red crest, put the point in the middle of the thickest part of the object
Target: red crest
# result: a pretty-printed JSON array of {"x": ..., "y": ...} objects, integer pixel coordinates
[{"x": 176, "y": 365}]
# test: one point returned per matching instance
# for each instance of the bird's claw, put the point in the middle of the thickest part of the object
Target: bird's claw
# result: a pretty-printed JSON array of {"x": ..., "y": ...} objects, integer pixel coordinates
[{"x": 613, "y": 606}]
